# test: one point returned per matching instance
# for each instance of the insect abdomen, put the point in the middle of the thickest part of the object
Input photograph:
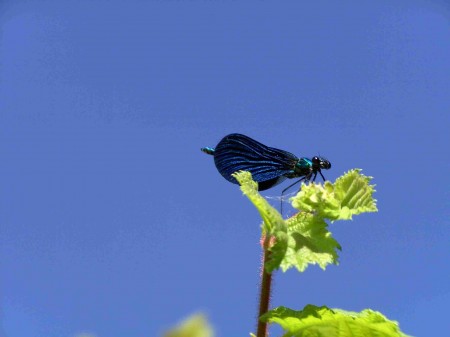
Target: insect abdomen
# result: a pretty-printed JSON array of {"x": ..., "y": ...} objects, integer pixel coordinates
[{"x": 208, "y": 150}]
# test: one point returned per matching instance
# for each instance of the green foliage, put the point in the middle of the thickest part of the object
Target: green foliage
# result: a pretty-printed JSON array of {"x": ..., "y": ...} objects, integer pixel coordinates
[
  {"x": 309, "y": 242},
  {"x": 350, "y": 195},
  {"x": 305, "y": 239},
  {"x": 315, "y": 321},
  {"x": 273, "y": 223},
  {"x": 302, "y": 240},
  {"x": 194, "y": 326},
  {"x": 271, "y": 217}
]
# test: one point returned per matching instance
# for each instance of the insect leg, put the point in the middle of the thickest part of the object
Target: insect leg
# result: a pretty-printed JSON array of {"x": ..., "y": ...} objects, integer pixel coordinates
[
  {"x": 321, "y": 176},
  {"x": 307, "y": 178}
]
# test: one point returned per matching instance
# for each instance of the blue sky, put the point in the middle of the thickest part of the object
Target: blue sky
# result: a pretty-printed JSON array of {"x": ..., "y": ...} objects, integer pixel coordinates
[{"x": 113, "y": 222}]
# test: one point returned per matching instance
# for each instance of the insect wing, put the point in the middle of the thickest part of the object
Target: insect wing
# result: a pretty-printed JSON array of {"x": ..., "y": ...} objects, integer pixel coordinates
[{"x": 267, "y": 165}]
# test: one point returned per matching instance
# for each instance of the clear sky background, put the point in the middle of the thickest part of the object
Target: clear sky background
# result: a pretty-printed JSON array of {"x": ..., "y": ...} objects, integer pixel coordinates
[{"x": 113, "y": 222}]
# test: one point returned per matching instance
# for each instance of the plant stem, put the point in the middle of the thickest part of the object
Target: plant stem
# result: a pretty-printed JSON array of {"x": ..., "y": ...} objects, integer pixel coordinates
[{"x": 264, "y": 298}]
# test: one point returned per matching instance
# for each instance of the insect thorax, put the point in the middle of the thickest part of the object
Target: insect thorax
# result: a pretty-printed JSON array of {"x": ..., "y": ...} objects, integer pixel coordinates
[{"x": 302, "y": 168}]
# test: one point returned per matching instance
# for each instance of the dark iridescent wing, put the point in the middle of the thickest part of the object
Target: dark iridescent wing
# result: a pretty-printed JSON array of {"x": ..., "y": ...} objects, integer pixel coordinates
[{"x": 267, "y": 165}]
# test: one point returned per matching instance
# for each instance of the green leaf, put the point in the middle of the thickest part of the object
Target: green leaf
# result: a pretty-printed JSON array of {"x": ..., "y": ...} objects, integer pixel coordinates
[
  {"x": 319, "y": 199},
  {"x": 309, "y": 242},
  {"x": 194, "y": 326},
  {"x": 305, "y": 239},
  {"x": 355, "y": 194},
  {"x": 315, "y": 321},
  {"x": 272, "y": 219},
  {"x": 351, "y": 194},
  {"x": 273, "y": 224}
]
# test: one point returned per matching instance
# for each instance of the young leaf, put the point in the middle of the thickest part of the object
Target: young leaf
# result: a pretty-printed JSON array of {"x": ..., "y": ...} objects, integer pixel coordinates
[
  {"x": 305, "y": 239},
  {"x": 355, "y": 194},
  {"x": 272, "y": 219},
  {"x": 273, "y": 224},
  {"x": 325, "y": 322},
  {"x": 351, "y": 194},
  {"x": 309, "y": 242},
  {"x": 194, "y": 326},
  {"x": 319, "y": 199}
]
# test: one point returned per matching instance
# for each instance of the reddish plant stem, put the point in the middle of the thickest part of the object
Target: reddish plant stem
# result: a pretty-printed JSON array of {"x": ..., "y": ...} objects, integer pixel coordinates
[{"x": 264, "y": 298}]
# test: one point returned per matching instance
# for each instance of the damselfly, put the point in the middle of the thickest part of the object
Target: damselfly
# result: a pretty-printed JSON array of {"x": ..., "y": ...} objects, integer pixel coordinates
[{"x": 269, "y": 166}]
